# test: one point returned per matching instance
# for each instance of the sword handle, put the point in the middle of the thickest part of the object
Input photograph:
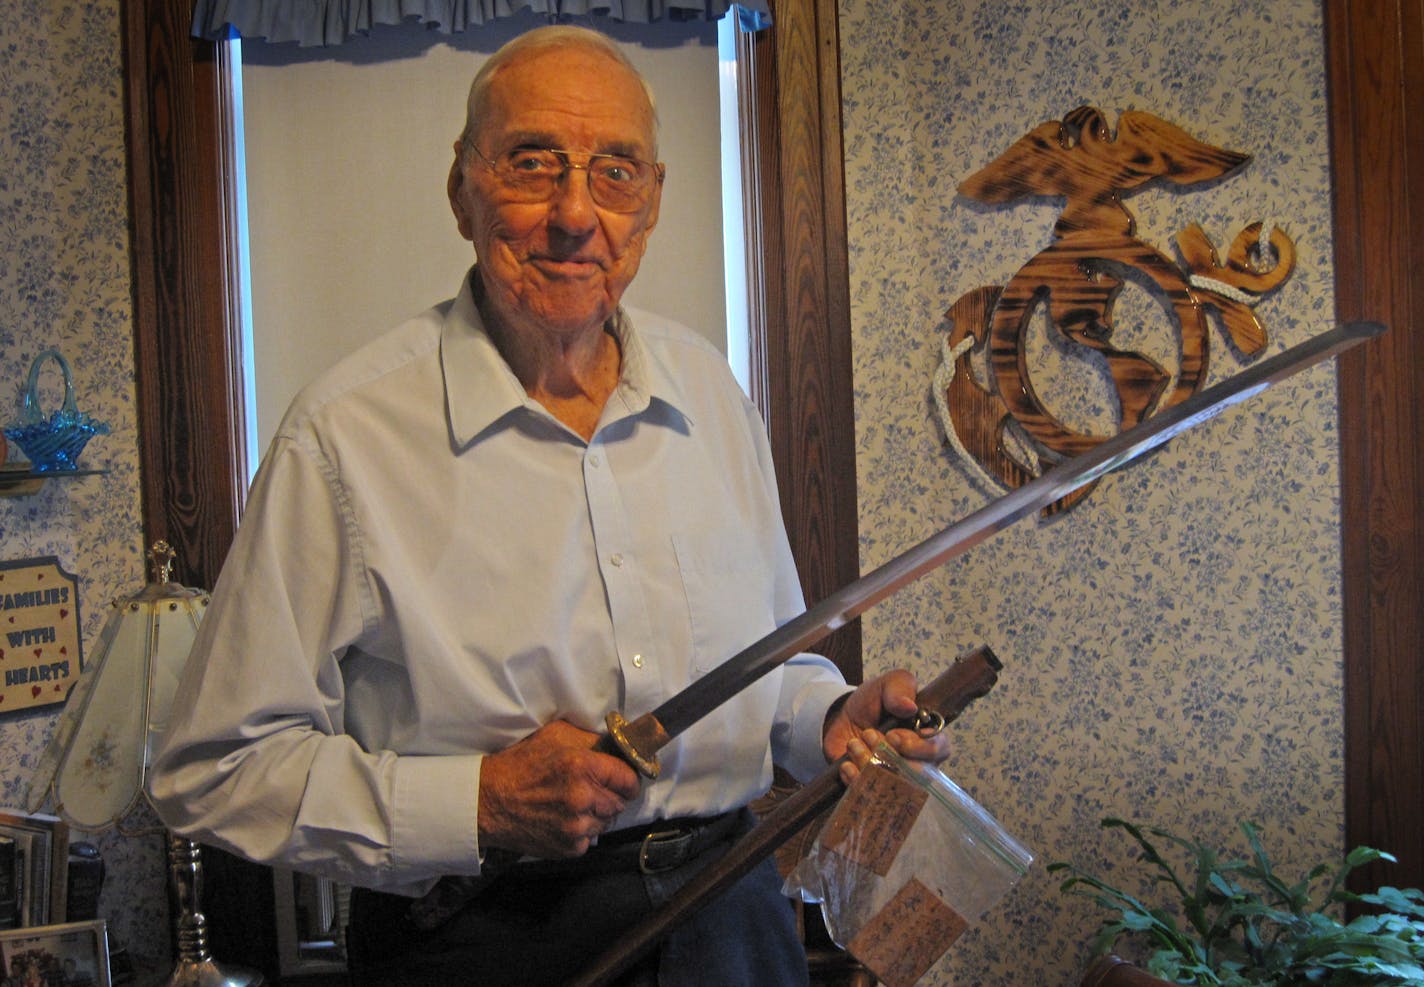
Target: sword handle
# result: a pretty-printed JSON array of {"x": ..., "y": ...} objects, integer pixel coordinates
[{"x": 636, "y": 742}]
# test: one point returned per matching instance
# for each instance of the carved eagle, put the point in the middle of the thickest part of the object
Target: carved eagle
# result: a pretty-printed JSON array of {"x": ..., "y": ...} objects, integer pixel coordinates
[{"x": 1080, "y": 159}]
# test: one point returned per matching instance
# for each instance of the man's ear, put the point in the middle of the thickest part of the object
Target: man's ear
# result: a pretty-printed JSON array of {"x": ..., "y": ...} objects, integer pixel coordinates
[
  {"x": 655, "y": 207},
  {"x": 454, "y": 187}
]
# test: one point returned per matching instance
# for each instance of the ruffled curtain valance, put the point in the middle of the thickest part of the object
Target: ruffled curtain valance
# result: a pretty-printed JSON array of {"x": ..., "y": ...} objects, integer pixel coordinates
[{"x": 331, "y": 22}]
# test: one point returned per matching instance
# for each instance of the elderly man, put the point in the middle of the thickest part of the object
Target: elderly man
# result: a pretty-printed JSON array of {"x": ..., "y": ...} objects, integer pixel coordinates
[{"x": 475, "y": 537}]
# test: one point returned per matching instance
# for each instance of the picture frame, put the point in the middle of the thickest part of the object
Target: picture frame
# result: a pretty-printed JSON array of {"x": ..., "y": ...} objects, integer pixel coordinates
[
  {"x": 34, "y": 868},
  {"x": 310, "y": 913},
  {"x": 75, "y": 954}
]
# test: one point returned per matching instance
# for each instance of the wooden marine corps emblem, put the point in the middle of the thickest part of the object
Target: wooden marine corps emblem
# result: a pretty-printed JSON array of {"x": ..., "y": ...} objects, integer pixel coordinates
[{"x": 1003, "y": 425}]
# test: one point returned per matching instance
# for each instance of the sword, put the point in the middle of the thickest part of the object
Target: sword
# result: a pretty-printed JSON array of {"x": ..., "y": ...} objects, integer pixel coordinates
[{"x": 638, "y": 741}]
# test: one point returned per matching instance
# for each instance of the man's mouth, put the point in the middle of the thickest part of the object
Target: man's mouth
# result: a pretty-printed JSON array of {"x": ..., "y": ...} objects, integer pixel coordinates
[{"x": 568, "y": 267}]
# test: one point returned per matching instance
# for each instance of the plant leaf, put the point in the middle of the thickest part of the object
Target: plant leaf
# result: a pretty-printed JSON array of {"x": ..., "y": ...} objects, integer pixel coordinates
[{"x": 1248, "y": 927}]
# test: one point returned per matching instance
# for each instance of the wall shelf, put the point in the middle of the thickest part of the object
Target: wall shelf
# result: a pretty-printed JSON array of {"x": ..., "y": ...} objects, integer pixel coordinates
[{"x": 19, "y": 480}]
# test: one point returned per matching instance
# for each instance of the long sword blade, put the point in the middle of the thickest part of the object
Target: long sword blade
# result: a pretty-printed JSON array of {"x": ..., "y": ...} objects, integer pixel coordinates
[{"x": 640, "y": 740}]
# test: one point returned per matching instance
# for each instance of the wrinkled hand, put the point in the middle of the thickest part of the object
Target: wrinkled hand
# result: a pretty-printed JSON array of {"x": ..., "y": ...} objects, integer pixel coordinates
[
  {"x": 551, "y": 793},
  {"x": 851, "y": 729}
]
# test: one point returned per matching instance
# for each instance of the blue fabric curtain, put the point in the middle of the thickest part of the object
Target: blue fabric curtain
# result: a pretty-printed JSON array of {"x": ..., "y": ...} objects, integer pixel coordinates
[{"x": 331, "y": 22}]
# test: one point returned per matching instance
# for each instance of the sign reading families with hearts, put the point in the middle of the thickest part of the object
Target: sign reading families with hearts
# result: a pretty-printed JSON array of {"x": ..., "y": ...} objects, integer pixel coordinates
[{"x": 39, "y": 633}]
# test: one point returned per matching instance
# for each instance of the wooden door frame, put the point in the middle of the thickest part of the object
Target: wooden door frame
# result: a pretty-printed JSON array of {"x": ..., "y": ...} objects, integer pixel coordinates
[
  {"x": 799, "y": 288},
  {"x": 1375, "y": 59},
  {"x": 187, "y": 352}
]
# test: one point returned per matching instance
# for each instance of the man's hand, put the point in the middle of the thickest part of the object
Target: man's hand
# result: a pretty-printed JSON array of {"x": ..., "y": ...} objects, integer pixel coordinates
[
  {"x": 550, "y": 794},
  {"x": 850, "y": 729}
]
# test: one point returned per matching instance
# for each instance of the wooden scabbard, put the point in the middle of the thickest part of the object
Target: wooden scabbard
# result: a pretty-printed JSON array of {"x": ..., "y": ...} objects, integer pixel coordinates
[{"x": 970, "y": 677}]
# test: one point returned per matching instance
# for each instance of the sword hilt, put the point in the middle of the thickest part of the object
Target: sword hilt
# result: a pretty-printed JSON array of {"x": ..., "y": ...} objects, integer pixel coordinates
[{"x": 637, "y": 742}]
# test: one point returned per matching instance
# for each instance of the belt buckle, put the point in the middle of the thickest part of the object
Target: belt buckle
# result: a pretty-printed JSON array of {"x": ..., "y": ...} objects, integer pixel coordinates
[{"x": 664, "y": 850}]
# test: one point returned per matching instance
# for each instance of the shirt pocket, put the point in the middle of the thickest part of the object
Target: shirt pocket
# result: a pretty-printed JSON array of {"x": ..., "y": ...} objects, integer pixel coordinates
[{"x": 728, "y": 588}]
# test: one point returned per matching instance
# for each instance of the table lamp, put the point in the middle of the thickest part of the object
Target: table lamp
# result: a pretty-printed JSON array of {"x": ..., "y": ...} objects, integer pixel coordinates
[{"x": 96, "y": 767}]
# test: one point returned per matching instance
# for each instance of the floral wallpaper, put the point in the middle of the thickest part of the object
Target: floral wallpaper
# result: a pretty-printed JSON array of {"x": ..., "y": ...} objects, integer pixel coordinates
[
  {"x": 64, "y": 282},
  {"x": 1172, "y": 646}
]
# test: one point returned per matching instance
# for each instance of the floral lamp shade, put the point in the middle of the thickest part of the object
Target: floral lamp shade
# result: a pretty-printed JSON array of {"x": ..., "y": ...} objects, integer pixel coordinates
[{"x": 96, "y": 767}]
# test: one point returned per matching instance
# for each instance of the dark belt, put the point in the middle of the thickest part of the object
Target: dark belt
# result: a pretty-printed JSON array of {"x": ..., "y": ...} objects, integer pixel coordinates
[
  {"x": 665, "y": 844},
  {"x": 653, "y": 848}
]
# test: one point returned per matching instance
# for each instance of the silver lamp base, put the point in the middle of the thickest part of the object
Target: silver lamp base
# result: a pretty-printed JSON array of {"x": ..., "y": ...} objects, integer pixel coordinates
[
  {"x": 206, "y": 973},
  {"x": 196, "y": 966}
]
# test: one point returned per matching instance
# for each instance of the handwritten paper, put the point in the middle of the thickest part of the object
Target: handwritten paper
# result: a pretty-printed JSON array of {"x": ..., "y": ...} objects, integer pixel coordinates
[
  {"x": 874, "y": 818},
  {"x": 906, "y": 937}
]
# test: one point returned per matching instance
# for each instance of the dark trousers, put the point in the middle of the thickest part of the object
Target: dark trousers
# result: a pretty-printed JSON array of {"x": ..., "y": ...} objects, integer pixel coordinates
[{"x": 543, "y": 924}]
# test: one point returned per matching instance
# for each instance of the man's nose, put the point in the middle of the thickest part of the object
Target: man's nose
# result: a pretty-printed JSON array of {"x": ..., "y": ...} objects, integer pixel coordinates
[{"x": 572, "y": 206}]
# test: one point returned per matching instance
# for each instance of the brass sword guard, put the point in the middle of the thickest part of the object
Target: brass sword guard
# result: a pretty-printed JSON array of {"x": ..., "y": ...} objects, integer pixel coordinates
[{"x": 638, "y": 741}]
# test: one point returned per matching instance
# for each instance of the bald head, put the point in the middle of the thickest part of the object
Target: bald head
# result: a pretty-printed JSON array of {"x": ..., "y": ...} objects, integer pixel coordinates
[{"x": 542, "y": 40}]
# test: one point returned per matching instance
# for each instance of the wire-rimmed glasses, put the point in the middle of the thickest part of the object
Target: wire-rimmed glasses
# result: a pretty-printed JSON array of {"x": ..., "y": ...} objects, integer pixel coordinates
[{"x": 616, "y": 182}]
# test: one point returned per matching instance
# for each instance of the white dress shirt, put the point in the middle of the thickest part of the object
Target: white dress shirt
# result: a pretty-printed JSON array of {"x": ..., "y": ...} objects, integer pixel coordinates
[{"x": 431, "y": 567}]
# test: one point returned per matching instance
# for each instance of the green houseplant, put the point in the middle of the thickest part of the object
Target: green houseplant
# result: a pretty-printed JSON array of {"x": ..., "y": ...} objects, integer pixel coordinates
[{"x": 1242, "y": 925}]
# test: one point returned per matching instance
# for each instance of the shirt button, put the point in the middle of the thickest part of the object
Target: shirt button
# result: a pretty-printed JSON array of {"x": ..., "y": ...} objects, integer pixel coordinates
[
  {"x": 616, "y": 558},
  {"x": 637, "y": 661},
  {"x": 594, "y": 461}
]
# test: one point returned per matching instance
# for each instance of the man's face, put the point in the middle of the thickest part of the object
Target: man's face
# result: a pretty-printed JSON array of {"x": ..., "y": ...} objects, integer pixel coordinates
[{"x": 558, "y": 266}]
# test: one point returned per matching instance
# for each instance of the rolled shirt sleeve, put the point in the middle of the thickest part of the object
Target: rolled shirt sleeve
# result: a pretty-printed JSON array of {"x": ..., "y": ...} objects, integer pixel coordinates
[{"x": 256, "y": 759}]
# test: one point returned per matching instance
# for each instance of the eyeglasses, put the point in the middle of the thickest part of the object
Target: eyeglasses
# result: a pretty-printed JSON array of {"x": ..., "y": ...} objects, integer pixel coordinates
[{"x": 532, "y": 174}]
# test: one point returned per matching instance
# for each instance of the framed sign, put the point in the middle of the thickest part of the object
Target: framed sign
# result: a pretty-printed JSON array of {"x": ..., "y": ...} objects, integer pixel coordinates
[{"x": 39, "y": 633}]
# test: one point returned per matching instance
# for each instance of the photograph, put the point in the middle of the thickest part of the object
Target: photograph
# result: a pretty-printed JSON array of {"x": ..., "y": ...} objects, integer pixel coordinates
[
  {"x": 34, "y": 863},
  {"x": 75, "y": 954}
]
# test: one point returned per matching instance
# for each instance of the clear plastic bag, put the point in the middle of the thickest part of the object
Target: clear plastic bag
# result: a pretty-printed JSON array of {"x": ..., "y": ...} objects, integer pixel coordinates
[{"x": 903, "y": 865}]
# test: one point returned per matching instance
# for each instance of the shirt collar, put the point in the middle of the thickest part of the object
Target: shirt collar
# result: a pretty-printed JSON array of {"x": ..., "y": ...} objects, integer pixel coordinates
[
  {"x": 480, "y": 387},
  {"x": 646, "y": 376}
]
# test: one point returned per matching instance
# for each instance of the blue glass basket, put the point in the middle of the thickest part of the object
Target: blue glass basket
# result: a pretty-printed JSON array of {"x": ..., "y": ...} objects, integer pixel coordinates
[{"x": 53, "y": 444}]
